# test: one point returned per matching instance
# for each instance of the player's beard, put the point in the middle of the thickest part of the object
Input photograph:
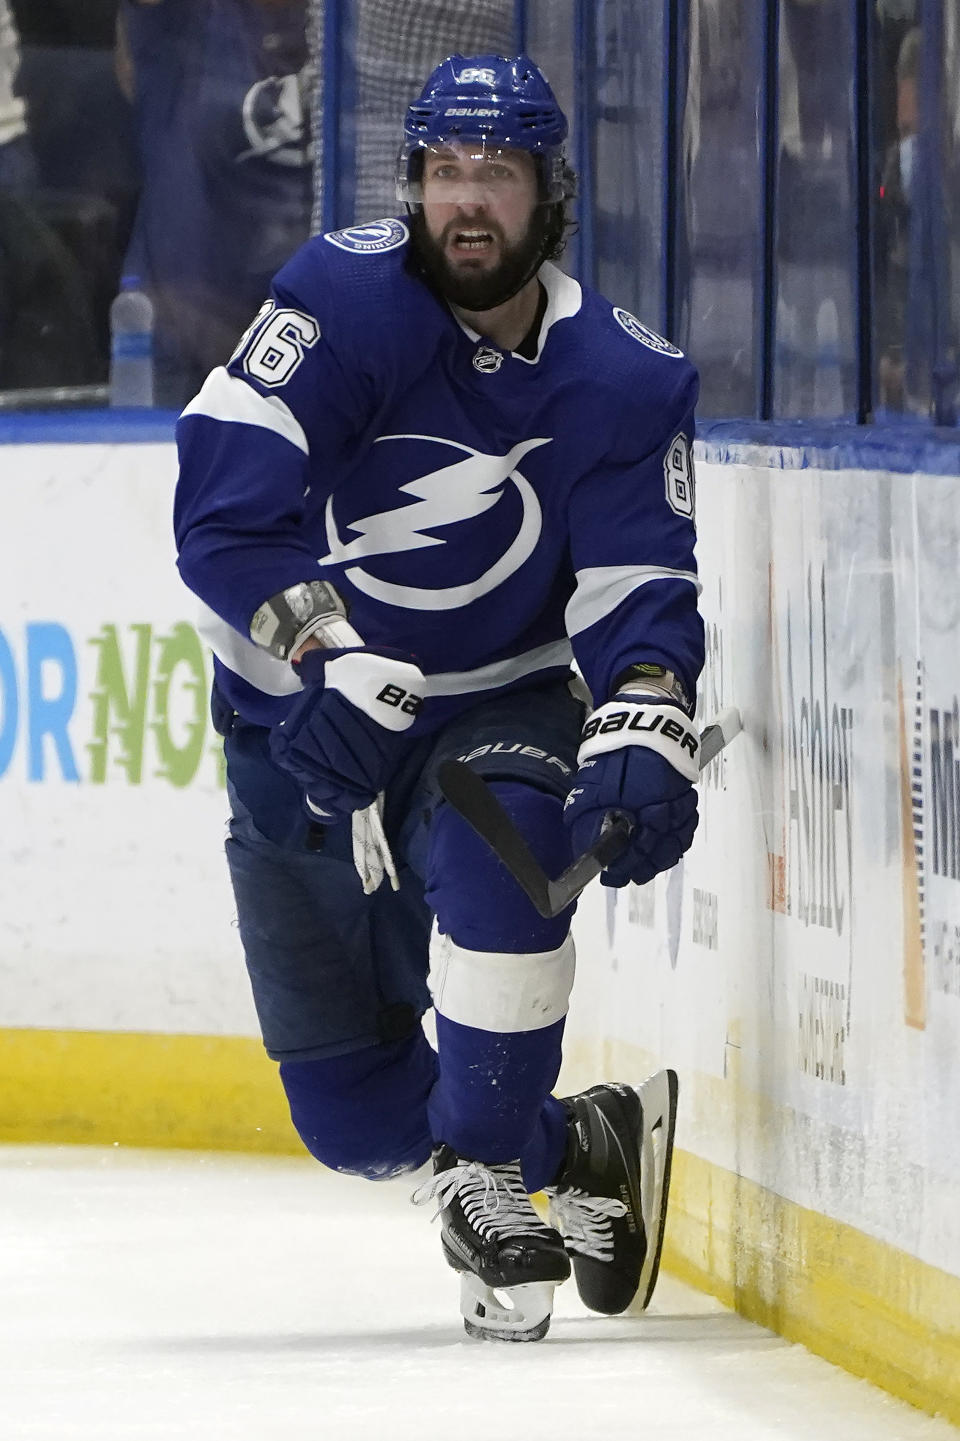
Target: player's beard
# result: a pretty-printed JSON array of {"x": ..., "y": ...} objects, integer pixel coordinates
[{"x": 480, "y": 289}]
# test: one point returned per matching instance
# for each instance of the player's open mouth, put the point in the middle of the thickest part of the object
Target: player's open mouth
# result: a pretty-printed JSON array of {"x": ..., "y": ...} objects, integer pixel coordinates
[{"x": 472, "y": 240}]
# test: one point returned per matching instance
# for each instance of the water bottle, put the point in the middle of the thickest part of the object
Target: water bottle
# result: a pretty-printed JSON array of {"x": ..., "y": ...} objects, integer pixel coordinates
[{"x": 131, "y": 345}]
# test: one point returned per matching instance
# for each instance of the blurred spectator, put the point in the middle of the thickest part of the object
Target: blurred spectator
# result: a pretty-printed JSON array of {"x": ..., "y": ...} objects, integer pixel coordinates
[
  {"x": 916, "y": 230},
  {"x": 719, "y": 233},
  {"x": 17, "y": 166},
  {"x": 47, "y": 335},
  {"x": 816, "y": 109},
  {"x": 80, "y": 124},
  {"x": 815, "y": 362},
  {"x": 894, "y": 18},
  {"x": 899, "y": 242},
  {"x": 82, "y": 180},
  {"x": 219, "y": 90},
  {"x": 65, "y": 22},
  {"x": 396, "y": 43}
]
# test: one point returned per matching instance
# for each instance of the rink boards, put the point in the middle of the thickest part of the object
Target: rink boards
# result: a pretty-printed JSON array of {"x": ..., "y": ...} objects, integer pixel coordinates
[{"x": 800, "y": 969}]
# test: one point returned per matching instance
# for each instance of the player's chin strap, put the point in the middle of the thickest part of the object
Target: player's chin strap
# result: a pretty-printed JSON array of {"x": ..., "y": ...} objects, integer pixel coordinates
[{"x": 315, "y": 610}]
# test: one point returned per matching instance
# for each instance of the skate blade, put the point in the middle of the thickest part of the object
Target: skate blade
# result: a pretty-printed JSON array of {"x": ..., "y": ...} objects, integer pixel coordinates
[
  {"x": 658, "y": 1100},
  {"x": 511, "y": 1313}
]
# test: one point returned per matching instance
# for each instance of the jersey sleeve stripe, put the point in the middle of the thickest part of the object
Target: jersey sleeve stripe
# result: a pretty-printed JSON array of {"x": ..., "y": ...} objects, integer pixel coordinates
[
  {"x": 263, "y": 670},
  {"x": 601, "y": 588},
  {"x": 276, "y": 678},
  {"x": 226, "y": 397}
]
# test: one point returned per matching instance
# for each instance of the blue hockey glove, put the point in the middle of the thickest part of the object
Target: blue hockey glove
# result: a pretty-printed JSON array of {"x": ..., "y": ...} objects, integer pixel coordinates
[
  {"x": 639, "y": 755},
  {"x": 345, "y": 734}
]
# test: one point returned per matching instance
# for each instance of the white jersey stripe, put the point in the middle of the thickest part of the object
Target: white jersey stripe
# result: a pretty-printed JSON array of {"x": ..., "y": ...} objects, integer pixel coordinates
[
  {"x": 225, "y": 397},
  {"x": 275, "y": 677},
  {"x": 500, "y": 672},
  {"x": 252, "y": 662},
  {"x": 601, "y": 588}
]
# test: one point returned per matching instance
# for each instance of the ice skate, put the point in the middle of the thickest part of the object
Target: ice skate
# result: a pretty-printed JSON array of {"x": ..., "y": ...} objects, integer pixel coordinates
[
  {"x": 610, "y": 1204},
  {"x": 508, "y": 1259}
]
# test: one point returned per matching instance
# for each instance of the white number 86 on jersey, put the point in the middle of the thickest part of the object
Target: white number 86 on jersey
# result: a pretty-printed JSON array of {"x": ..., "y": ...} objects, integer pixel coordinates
[
  {"x": 678, "y": 473},
  {"x": 284, "y": 338}
]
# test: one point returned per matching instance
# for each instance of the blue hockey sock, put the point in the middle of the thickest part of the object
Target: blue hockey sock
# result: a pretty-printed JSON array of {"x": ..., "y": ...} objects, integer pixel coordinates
[
  {"x": 492, "y": 1102},
  {"x": 500, "y": 976}
]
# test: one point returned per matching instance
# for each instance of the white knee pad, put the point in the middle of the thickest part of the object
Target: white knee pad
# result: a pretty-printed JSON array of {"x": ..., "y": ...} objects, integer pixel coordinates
[{"x": 500, "y": 990}]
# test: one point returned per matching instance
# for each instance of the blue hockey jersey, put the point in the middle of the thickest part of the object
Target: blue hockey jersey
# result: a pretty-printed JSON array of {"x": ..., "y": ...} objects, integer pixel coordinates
[{"x": 495, "y": 516}]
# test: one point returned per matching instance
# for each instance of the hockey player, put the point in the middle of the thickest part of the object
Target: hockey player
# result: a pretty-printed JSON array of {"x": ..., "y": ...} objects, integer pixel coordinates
[{"x": 435, "y": 471}]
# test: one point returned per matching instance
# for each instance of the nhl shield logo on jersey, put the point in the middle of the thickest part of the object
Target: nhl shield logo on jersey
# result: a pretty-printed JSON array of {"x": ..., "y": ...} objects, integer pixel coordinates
[
  {"x": 372, "y": 239},
  {"x": 644, "y": 334},
  {"x": 487, "y": 360}
]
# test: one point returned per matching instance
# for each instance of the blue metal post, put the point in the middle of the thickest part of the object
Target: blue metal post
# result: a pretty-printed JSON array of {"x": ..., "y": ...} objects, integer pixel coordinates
[
  {"x": 330, "y": 139},
  {"x": 676, "y": 27},
  {"x": 865, "y": 180},
  {"x": 520, "y": 25},
  {"x": 585, "y": 70},
  {"x": 769, "y": 142}
]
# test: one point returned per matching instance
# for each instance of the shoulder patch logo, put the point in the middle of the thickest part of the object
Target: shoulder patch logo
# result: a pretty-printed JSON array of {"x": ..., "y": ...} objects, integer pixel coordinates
[
  {"x": 371, "y": 239},
  {"x": 678, "y": 474},
  {"x": 644, "y": 334}
]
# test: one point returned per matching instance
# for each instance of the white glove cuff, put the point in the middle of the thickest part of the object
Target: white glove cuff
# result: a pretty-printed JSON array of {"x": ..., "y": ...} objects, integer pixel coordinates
[
  {"x": 389, "y": 691},
  {"x": 661, "y": 728}
]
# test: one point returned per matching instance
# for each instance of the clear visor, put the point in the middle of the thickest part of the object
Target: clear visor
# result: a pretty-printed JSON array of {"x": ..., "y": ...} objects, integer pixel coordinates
[{"x": 471, "y": 172}]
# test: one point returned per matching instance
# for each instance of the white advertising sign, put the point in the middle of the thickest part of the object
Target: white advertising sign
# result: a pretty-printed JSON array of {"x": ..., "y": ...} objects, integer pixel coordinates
[{"x": 116, "y": 911}]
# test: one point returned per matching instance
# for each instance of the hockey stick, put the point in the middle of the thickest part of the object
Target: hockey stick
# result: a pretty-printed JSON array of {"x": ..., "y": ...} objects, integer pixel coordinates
[{"x": 471, "y": 797}]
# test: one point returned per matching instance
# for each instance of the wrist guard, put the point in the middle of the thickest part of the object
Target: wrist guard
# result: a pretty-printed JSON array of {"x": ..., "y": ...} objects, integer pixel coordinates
[
  {"x": 312, "y": 608},
  {"x": 652, "y": 680},
  {"x": 660, "y": 727}
]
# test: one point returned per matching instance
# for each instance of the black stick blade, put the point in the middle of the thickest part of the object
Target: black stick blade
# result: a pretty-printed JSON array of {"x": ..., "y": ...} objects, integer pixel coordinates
[
  {"x": 613, "y": 842},
  {"x": 471, "y": 798}
]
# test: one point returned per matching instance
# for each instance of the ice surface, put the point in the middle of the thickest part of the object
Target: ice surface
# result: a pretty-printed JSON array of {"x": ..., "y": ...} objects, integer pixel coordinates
[{"x": 173, "y": 1295}]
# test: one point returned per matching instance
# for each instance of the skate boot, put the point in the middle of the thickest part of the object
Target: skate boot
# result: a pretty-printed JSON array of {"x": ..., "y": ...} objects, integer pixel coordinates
[
  {"x": 508, "y": 1259},
  {"x": 610, "y": 1204}
]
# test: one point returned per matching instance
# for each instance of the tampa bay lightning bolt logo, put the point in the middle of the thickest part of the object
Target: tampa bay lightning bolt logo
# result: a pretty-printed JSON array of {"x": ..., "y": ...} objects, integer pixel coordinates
[
  {"x": 371, "y": 239},
  {"x": 645, "y": 335},
  {"x": 444, "y": 497}
]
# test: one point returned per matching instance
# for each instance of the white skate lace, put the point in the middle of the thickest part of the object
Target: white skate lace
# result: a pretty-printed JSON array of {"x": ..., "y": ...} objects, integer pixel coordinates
[
  {"x": 584, "y": 1221},
  {"x": 493, "y": 1198}
]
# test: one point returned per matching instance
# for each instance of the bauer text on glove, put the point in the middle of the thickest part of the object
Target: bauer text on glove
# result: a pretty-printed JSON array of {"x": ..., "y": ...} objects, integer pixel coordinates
[
  {"x": 346, "y": 733},
  {"x": 638, "y": 756}
]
